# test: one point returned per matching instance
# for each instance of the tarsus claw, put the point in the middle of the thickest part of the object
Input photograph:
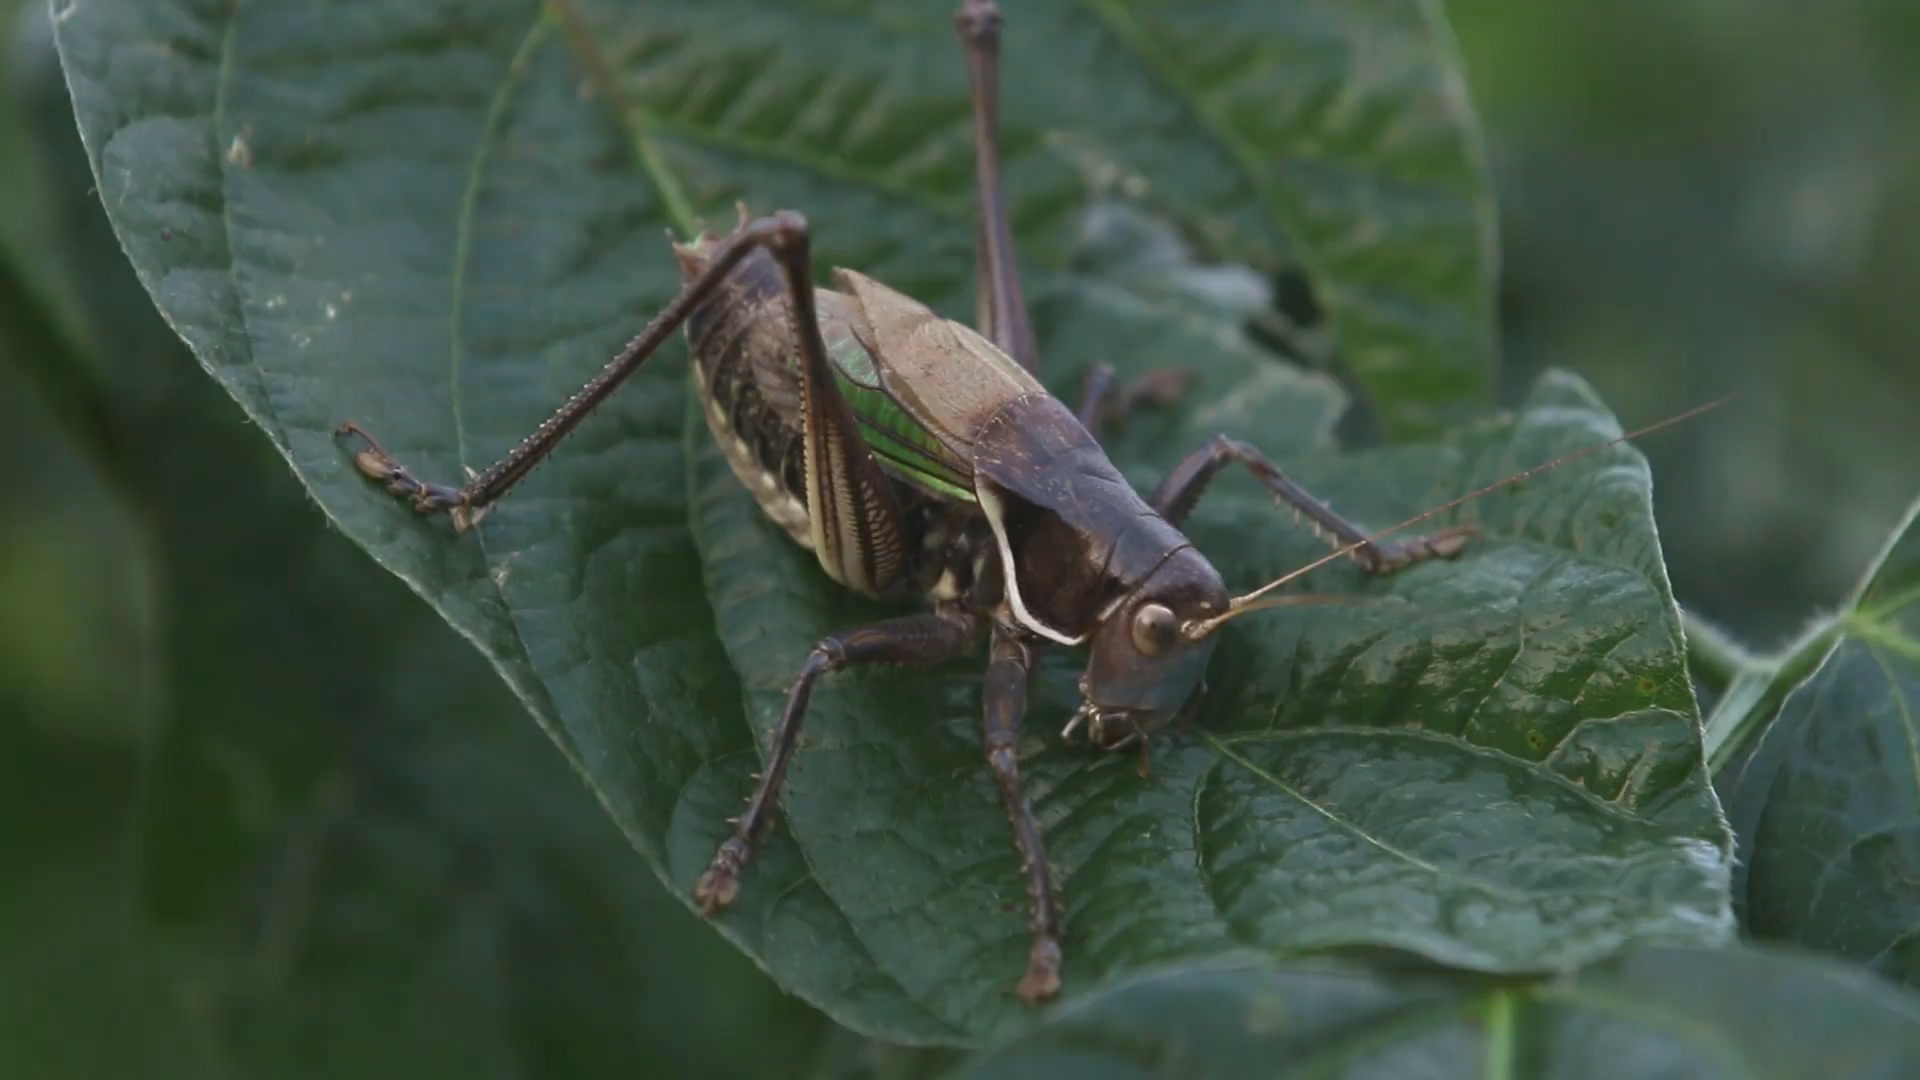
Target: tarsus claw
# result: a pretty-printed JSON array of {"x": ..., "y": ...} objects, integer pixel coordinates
[{"x": 1042, "y": 980}]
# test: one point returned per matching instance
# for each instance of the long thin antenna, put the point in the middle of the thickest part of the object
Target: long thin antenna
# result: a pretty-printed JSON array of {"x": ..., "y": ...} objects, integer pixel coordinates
[{"x": 1241, "y": 605}]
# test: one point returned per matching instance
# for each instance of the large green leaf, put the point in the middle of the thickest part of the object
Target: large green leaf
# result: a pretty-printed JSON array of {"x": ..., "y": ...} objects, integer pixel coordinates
[
  {"x": 428, "y": 218},
  {"x": 1836, "y": 844},
  {"x": 1688, "y": 1013}
]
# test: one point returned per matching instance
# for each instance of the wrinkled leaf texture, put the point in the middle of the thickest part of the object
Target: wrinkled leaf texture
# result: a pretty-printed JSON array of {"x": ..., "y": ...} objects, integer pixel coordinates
[{"x": 438, "y": 218}]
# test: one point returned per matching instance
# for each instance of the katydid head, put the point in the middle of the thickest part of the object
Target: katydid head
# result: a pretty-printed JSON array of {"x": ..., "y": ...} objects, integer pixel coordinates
[
  {"x": 1151, "y": 647},
  {"x": 1143, "y": 666},
  {"x": 1149, "y": 652}
]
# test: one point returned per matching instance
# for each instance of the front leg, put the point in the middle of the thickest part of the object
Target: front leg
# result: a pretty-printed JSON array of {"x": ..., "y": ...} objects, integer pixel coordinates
[
  {"x": 922, "y": 640},
  {"x": 1005, "y": 701},
  {"x": 1177, "y": 494}
]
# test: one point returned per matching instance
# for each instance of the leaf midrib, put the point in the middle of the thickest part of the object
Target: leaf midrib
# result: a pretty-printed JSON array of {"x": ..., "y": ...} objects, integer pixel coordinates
[
  {"x": 1227, "y": 752},
  {"x": 637, "y": 123},
  {"x": 1119, "y": 23}
]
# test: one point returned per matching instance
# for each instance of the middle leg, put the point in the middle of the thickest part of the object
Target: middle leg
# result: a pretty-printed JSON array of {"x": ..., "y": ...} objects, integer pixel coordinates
[
  {"x": 1005, "y": 705},
  {"x": 1177, "y": 494},
  {"x": 922, "y": 640}
]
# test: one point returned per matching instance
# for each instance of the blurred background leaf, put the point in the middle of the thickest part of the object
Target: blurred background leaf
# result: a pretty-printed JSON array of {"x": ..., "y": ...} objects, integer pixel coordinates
[
  {"x": 1705, "y": 195},
  {"x": 1650, "y": 1013}
]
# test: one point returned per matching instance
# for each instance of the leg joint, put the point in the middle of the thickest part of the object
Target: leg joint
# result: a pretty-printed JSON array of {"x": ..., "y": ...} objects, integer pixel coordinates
[
  {"x": 978, "y": 22},
  {"x": 790, "y": 229},
  {"x": 781, "y": 232},
  {"x": 1227, "y": 448},
  {"x": 828, "y": 654}
]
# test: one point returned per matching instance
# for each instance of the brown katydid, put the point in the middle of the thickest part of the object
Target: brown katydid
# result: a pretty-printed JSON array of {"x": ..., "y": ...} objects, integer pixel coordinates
[{"x": 918, "y": 457}]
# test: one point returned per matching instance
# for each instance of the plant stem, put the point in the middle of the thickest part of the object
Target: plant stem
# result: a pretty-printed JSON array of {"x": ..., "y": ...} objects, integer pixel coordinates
[
  {"x": 1754, "y": 693},
  {"x": 1714, "y": 657}
]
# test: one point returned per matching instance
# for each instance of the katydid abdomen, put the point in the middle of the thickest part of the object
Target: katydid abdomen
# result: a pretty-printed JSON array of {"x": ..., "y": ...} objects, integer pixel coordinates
[{"x": 746, "y": 364}]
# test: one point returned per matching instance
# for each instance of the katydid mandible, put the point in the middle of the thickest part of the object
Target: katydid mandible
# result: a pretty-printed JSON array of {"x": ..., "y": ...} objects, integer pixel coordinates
[{"x": 918, "y": 457}]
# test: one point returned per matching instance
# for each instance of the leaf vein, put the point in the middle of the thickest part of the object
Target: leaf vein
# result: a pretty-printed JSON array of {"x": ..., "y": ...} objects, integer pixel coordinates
[
  {"x": 1227, "y": 751},
  {"x": 1905, "y": 707},
  {"x": 1120, "y": 24},
  {"x": 797, "y": 157},
  {"x": 1627, "y": 634},
  {"x": 1538, "y": 770},
  {"x": 1207, "y": 885},
  {"x": 636, "y": 122}
]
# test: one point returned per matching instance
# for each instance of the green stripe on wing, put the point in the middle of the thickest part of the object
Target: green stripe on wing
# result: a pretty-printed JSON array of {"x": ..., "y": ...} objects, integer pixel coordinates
[{"x": 900, "y": 443}]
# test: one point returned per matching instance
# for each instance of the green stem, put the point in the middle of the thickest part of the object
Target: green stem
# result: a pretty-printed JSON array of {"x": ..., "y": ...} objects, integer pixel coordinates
[
  {"x": 1754, "y": 693},
  {"x": 1500, "y": 1035},
  {"x": 1714, "y": 657}
]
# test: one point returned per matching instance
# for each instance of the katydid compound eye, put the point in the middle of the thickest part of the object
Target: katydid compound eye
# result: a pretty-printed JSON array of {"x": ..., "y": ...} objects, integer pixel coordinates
[{"x": 1154, "y": 628}]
